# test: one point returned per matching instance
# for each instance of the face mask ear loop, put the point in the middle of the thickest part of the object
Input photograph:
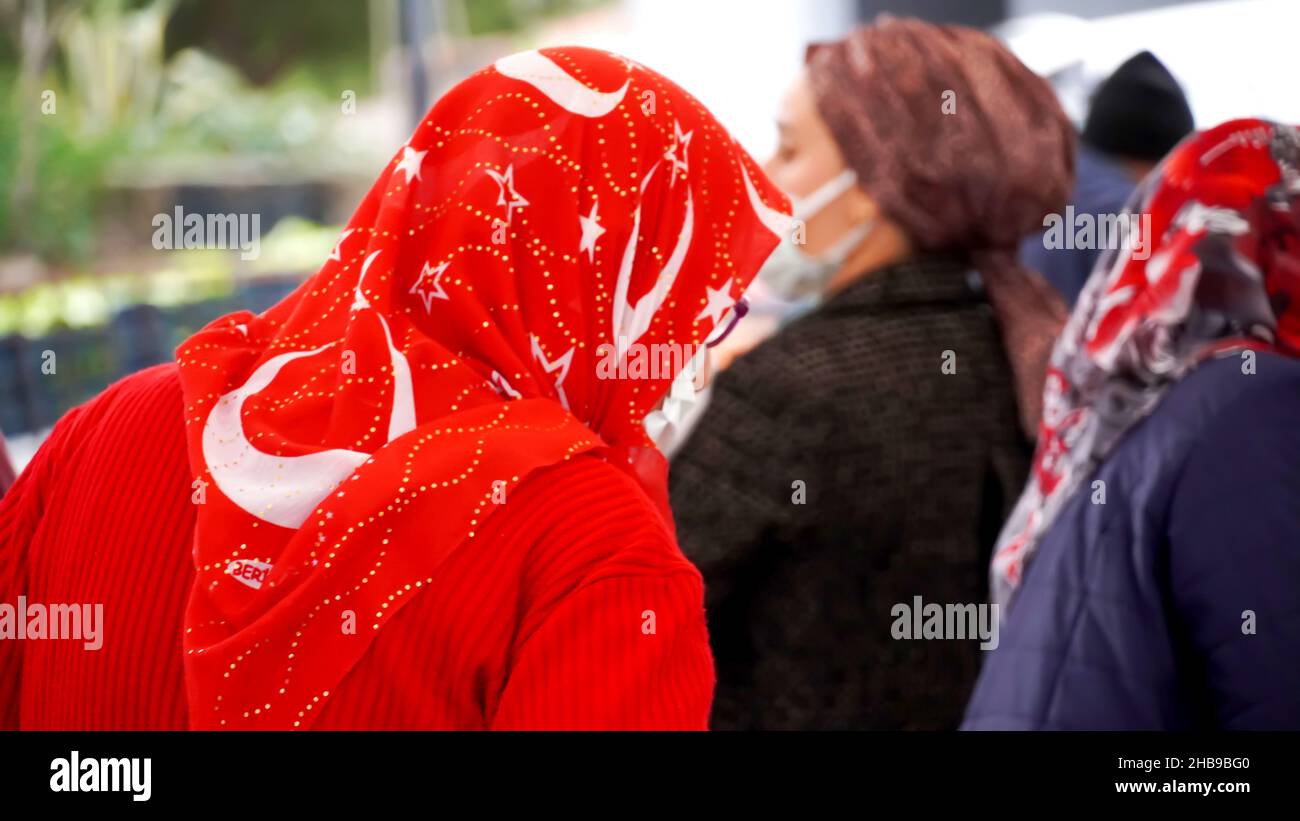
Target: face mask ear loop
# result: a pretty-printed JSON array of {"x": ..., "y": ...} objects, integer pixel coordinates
[
  {"x": 838, "y": 254},
  {"x": 805, "y": 208}
]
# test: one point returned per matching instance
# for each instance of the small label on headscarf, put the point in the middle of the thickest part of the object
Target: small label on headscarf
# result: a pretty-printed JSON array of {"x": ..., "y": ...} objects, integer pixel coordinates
[{"x": 249, "y": 572}]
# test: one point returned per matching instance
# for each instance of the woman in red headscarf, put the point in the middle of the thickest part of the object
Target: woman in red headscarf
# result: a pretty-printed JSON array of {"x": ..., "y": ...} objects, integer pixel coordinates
[{"x": 417, "y": 493}]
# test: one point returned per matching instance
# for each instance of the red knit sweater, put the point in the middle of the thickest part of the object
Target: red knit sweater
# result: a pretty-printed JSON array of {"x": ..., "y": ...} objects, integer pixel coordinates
[{"x": 574, "y": 609}]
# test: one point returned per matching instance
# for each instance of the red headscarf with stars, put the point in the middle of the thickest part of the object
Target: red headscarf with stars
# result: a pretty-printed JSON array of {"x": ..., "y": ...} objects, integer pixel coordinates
[{"x": 552, "y": 211}]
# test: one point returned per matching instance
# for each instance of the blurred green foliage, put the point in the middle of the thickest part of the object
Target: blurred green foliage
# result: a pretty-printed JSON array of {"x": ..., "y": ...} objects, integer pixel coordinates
[
  {"x": 207, "y": 108},
  {"x": 103, "y": 105},
  {"x": 88, "y": 301},
  {"x": 56, "y": 219},
  {"x": 157, "y": 90},
  {"x": 494, "y": 16},
  {"x": 320, "y": 43},
  {"x": 187, "y": 277},
  {"x": 60, "y": 130}
]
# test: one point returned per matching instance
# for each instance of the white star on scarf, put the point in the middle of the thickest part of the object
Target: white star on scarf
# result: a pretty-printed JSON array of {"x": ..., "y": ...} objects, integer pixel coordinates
[
  {"x": 720, "y": 301},
  {"x": 506, "y": 182},
  {"x": 359, "y": 301},
  {"x": 682, "y": 141},
  {"x": 591, "y": 231},
  {"x": 337, "y": 253},
  {"x": 562, "y": 365},
  {"x": 411, "y": 162},
  {"x": 434, "y": 289},
  {"x": 502, "y": 387}
]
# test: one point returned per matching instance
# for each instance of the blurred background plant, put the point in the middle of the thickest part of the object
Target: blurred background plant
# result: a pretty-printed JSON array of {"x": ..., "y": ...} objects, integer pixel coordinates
[
  {"x": 103, "y": 94},
  {"x": 53, "y": 167},
  {"x": 113, "y": 111},
  {"x": 112, "y": 58}
]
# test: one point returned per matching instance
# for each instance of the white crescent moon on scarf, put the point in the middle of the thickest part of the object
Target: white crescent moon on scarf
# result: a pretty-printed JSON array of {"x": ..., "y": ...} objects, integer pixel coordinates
[
  {"x": 632, "y": 321},
  {"x": 773, "y": 220},
  {"x": 562, "y": 88},
  {"x": 284, "y": 490}
]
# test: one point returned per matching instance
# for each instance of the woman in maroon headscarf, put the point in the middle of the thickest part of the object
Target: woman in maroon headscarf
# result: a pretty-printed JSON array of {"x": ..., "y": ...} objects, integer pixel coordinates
[{"x": 867, "y": 454}]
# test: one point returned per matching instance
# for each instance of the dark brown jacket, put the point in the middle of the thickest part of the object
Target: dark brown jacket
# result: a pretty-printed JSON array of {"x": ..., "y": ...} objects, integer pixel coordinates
[{"x": 906, "y": 473}]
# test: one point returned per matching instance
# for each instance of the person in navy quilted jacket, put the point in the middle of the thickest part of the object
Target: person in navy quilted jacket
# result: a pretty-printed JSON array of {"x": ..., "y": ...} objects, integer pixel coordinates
[{"x": 1149, "y": 576}]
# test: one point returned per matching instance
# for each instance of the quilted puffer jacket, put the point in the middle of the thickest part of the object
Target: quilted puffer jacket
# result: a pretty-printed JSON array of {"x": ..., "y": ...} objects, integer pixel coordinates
[{"x": 1176, "y": 603}]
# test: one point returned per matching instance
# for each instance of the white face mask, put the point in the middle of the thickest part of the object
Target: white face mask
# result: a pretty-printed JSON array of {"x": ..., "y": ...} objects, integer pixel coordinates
[
  {"x": 668, "y": 424},
  {"x": 795, "y": 275}
]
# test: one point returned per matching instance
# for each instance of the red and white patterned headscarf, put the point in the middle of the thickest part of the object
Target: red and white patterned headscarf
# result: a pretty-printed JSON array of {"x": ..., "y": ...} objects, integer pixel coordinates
[
  {"x": 1219, "y": 274},
  {"x": 550, "y": 208}
]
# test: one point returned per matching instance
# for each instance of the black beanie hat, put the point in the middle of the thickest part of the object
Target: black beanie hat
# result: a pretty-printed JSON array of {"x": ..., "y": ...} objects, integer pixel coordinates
[{"x": 1139, "y": 111}]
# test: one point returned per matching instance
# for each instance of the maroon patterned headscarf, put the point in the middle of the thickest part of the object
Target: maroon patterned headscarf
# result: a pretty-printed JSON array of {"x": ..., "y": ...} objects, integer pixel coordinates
[{"x": 967, "y": 150}]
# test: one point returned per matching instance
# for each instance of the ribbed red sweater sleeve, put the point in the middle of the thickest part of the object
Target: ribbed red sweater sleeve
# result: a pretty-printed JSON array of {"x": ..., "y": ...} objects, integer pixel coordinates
[
  {"x": 626, "y": 653},
  {"x": 21, "y": 513},
  {"x": 101, "y": 517}
]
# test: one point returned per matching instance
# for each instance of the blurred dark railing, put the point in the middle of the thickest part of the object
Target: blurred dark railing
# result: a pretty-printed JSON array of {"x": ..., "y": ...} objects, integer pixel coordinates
[{"x": 89, "y": 359}]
